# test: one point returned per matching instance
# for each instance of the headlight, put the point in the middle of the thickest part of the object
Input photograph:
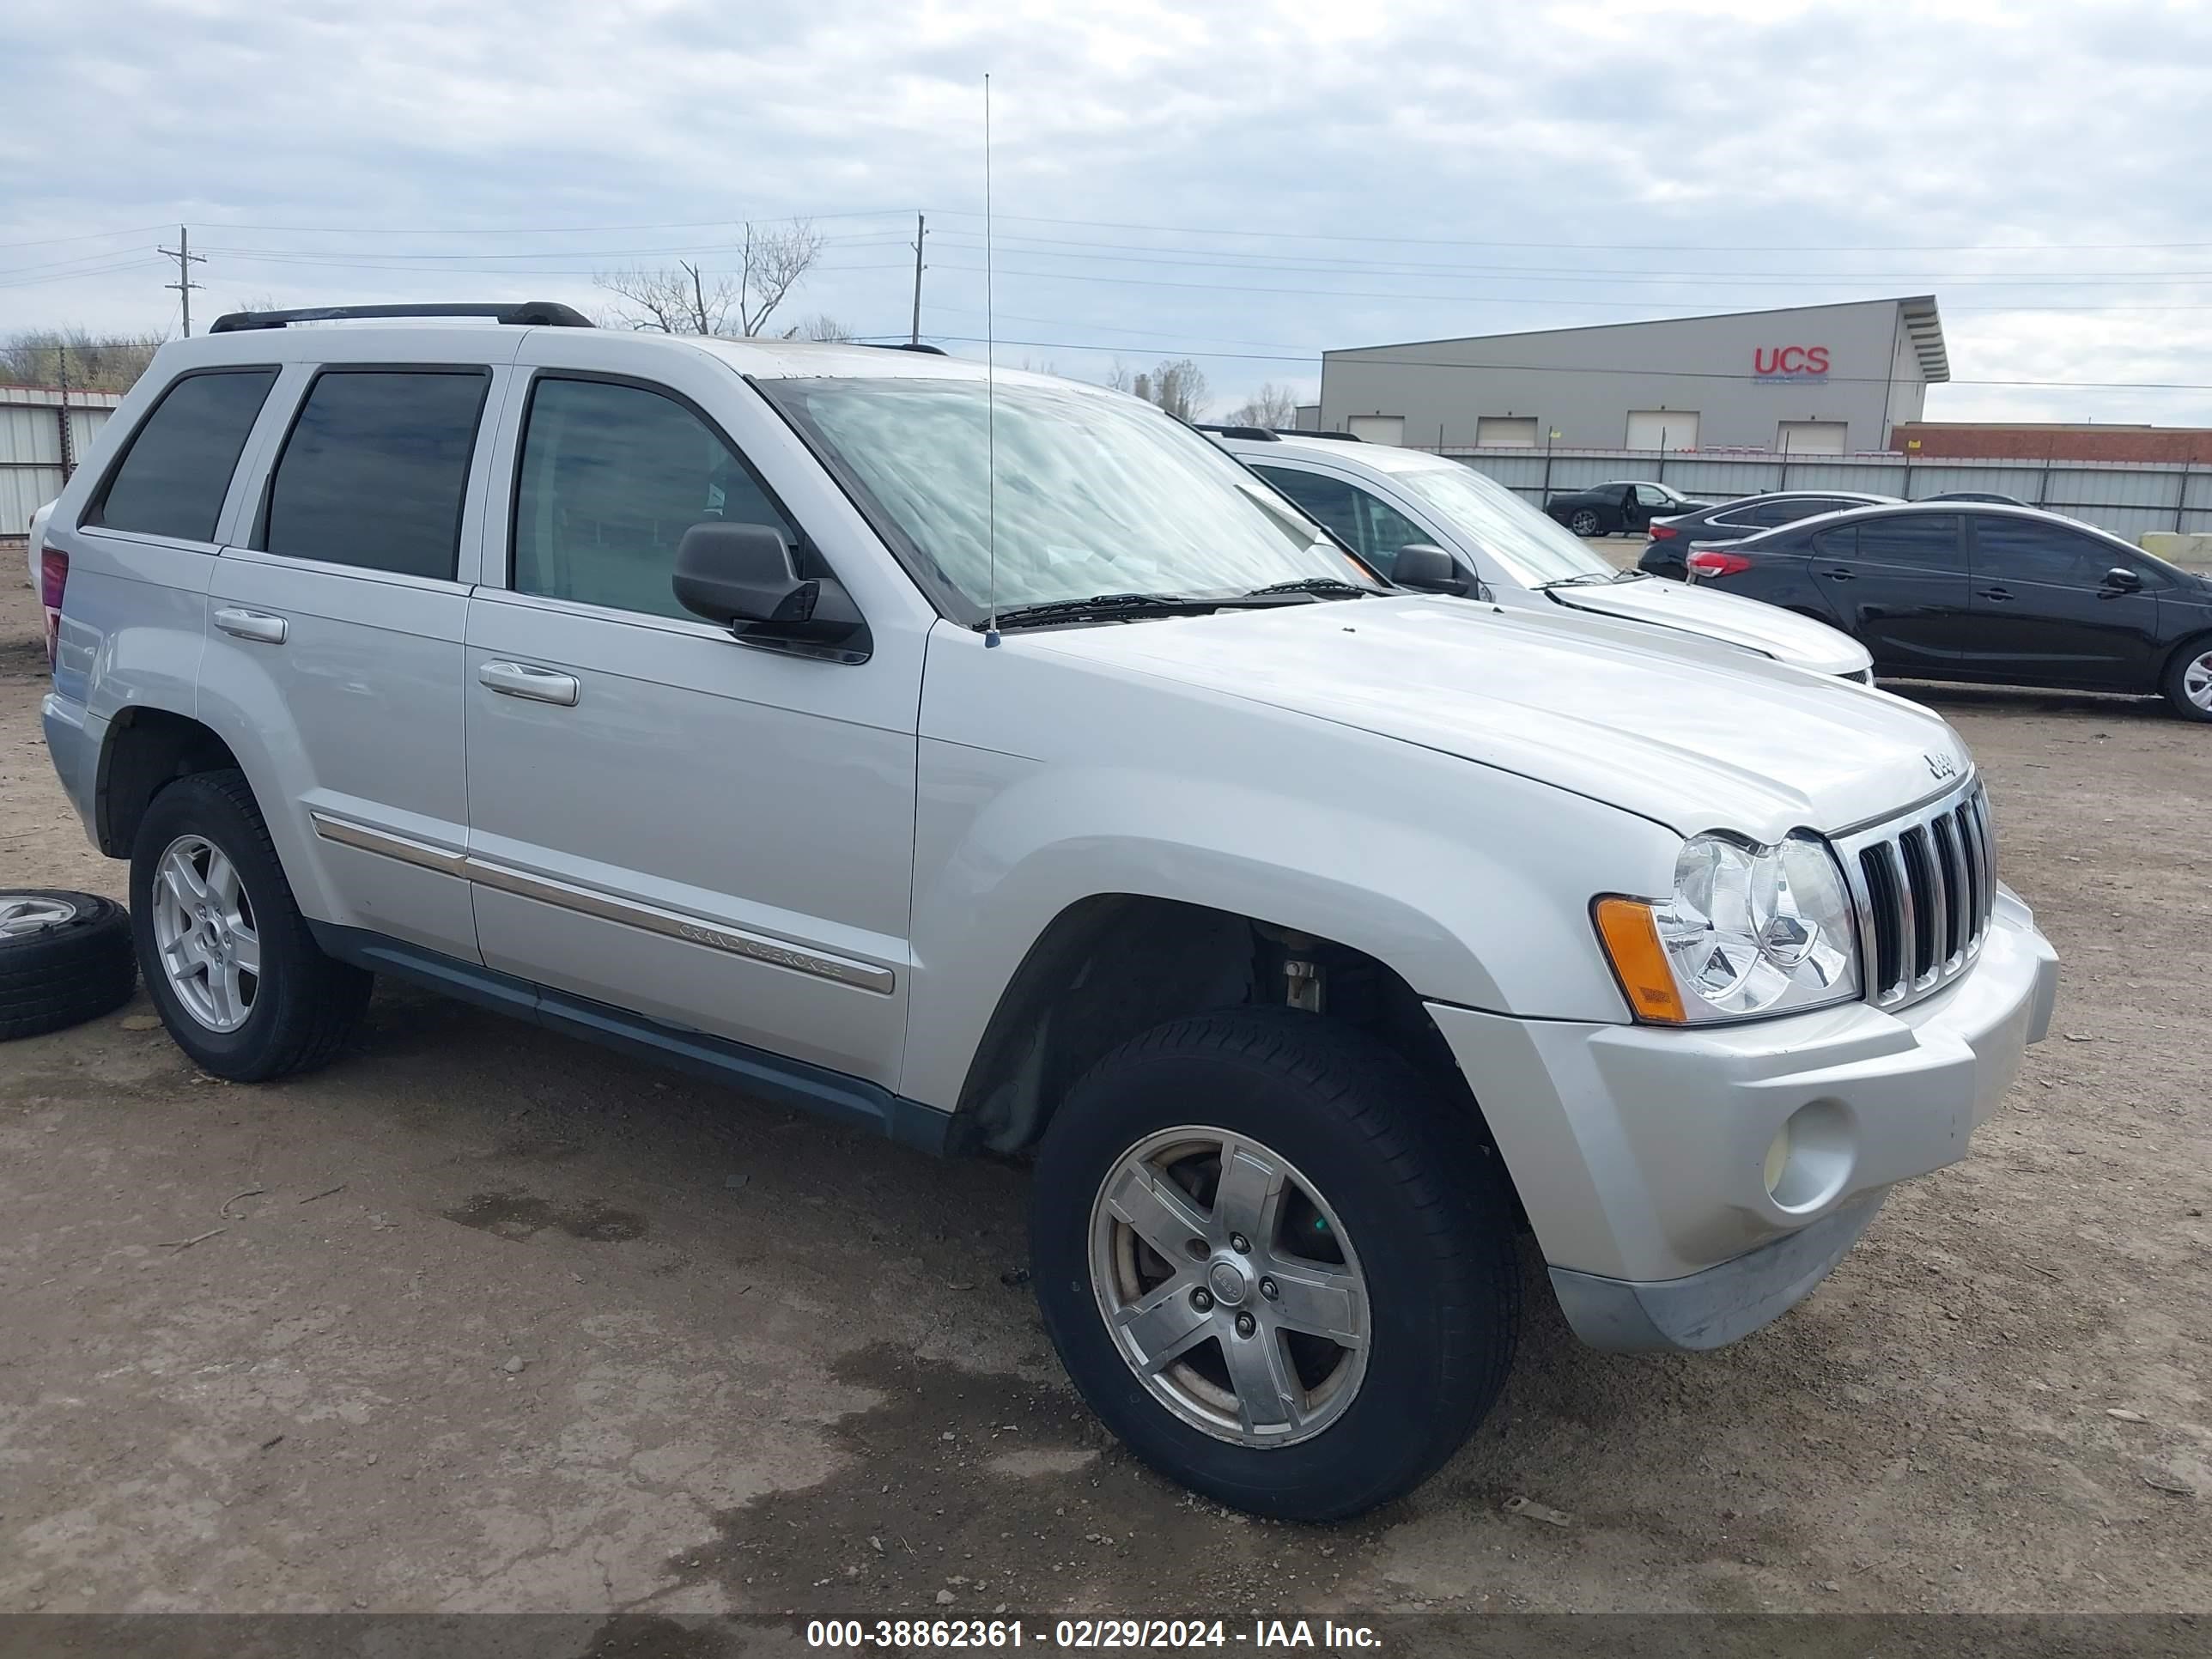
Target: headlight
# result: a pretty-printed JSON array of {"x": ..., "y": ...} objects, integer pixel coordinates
[{"x": 1748, "y": 930}]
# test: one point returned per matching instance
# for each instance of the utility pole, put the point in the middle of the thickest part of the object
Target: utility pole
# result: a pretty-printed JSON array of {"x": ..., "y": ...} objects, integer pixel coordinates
[
  {"x": 185, "y": 259},
  {"x": 920, "y": 234},
  {"x": 69, "y": 445}
]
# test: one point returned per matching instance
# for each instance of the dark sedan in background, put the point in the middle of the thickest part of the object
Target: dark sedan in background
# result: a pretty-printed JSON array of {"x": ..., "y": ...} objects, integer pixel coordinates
[
  {"x": 2005, "y": 595},
  {"x": 1618, "y": 508},
  {"x": 1732, "y": 521}
]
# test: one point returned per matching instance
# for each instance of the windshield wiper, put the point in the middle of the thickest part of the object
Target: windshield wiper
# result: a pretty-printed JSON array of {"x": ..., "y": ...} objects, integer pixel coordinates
[
  {"x": 1334, "y": 588},
  {"x": 1106, "y": 605},
  {"x": 1584, "y": 580}
]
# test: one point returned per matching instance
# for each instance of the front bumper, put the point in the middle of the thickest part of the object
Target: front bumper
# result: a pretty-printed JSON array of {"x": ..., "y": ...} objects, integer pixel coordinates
[{"x": 1641, "y": 1152}]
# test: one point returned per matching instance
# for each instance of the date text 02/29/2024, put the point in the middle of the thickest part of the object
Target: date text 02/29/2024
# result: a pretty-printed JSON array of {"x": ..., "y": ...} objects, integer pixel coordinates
[{"x": 1086, "y": 1634}]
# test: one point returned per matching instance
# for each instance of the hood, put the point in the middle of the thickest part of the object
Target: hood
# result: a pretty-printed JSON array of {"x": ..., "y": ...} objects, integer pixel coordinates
[
  {"x": 1694, "y": 735},
  {"x": 1767, "y": 628}
]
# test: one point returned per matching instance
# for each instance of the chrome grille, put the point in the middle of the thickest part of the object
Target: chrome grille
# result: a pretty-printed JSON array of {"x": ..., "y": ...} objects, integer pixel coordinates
[{"x": 1924, "y": 885}]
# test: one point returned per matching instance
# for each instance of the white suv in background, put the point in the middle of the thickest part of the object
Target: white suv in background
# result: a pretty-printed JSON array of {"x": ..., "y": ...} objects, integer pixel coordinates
[
  {"x": 993, "y": 763},
  {"x": 1379, "y": 499}
]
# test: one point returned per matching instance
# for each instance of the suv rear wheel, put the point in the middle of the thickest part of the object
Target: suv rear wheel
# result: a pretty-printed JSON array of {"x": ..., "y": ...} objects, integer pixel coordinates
[
  {"x": 228, "y": 958},
  {"x": 1272, "y": 1264}
]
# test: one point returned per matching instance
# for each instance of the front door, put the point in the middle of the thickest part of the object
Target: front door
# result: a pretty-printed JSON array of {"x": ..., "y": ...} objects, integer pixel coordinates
[
  {"x": 2044, "y": 610},
  {"x": 661, "y": 818}
]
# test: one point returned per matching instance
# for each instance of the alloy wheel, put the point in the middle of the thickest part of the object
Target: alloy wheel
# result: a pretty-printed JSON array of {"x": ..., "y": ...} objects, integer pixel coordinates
[
  {"x": 1229, "y": 1286},
  {"x": 2196, "y": 681},
  {"x": 24, "y": 914},
  {"x": 204, "y": 933}
]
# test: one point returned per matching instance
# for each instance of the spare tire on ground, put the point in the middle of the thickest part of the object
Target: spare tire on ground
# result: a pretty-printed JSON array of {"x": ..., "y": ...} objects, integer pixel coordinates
[{"x": 64, "y": 958}]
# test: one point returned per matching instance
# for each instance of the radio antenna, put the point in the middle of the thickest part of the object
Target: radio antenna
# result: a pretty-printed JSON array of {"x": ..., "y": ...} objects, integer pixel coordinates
[{"x": 990, "y": 385}]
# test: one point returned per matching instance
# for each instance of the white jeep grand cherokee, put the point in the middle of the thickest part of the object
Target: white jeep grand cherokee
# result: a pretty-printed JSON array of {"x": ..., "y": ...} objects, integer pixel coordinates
[{"x": 1323, "y": 941}]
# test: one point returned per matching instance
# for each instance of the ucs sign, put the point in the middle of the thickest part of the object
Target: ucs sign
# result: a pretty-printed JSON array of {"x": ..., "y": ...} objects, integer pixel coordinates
[{"x": 1799, "y": 362}]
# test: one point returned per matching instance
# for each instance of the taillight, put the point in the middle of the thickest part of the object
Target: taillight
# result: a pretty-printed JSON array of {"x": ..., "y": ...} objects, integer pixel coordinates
[
  {"x": 54, "y": 577},
  {"x": 1713, "y": 563},
  {"x": 1663, "y": 532}
]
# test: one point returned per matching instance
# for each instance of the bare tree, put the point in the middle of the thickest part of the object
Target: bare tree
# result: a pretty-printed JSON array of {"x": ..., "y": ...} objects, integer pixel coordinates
[
  {"x": 684, "y": 302},
  {"x": 678, "y": 302},
  {"x": 1271, "y": 406},
  {"x": 1178, "y": 388},
  {"x": 820, "y": 327},
  {"x": 773, "y": 263},
  {"x": 76, "y": 357}
]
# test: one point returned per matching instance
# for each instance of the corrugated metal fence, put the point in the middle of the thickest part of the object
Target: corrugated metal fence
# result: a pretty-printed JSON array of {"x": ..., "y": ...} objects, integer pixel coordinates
[
  {"x": 34, "y": 459},
  {"x": 2124, "y": 497}
]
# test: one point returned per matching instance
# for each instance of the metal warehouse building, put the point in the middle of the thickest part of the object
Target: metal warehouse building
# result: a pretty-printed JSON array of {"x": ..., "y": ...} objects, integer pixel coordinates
[
  {"x": 1808, "y": 380},
  {"x": 44, "y": 432}
]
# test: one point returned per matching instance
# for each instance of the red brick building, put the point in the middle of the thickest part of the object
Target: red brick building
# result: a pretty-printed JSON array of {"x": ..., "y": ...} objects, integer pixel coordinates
[{"x": 1983, "y": 440}]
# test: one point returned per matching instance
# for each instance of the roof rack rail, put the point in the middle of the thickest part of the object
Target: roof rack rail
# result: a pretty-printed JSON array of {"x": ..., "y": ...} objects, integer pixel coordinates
[
  {"x": 529, "y": 313},
  {"x": 1335, "y": 437},
  {"x": 905, "y": 345},
  {"x": 1262, "y": 434}
]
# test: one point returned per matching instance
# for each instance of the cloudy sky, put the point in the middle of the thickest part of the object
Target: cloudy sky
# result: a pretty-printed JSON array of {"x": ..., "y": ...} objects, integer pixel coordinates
[{"x": 1242, "y": 185}]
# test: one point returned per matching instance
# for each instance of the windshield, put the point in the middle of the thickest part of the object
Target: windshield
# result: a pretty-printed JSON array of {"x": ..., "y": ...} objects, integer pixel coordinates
[
  {"x": 1096, "y": 493},
  {"x": 1533, "y": 548}
]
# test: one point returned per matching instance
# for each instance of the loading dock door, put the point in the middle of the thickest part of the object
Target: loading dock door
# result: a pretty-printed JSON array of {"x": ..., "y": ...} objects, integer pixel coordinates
[
  {"x": 1378, "y": 429},
  {"x": 1811, "y": 437},
  {"x": 1505, "y": 431},
  {"x": 1662, "y": 428}
]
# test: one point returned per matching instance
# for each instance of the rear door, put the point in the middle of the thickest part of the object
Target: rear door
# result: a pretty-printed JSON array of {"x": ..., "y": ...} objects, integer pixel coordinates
[
  {"x": 334, "y": 631},
  {"x": 2042, "y": 609},
  {"x": 1898, "y": 584}
]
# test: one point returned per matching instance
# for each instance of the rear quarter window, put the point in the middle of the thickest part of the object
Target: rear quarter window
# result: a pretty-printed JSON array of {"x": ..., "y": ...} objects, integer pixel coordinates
[{"x": 174, "y": 473}]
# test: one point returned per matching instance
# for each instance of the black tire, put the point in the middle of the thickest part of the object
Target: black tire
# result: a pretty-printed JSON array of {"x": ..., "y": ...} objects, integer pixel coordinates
[
  {"x": 74, "y": 964},
  {"x": 1427, "y": 1207},
  {"x": 304, "y": 1004},
  {"x": 2171, "y": 682},
  {"x": 1584, "y": 521}
]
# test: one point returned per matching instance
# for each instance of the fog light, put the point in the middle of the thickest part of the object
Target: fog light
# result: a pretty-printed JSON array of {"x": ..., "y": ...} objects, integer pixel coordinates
[
  {"x": 1778, "y": 1158},
  {"x": 1808, "y": 1161}
]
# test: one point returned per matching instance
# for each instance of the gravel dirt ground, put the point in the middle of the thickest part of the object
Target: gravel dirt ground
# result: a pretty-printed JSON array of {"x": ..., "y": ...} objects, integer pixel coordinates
[{"x": 481, "y": 1318}]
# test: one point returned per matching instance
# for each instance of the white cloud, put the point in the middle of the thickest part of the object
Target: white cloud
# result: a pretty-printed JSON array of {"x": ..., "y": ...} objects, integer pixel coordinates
[{"x": 1711, "y": 147}]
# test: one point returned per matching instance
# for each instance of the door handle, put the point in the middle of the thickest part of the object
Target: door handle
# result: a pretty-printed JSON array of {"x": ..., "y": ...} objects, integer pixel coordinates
[
  {"x": 2000, "y": 594},
  {"x": 252, "y": 625},
  {"x": 519, "y": 679},
  {"x": 1838, "y": 575}
]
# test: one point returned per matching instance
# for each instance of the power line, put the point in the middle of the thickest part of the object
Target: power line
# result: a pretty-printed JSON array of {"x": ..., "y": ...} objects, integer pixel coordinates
[
  {"x": 1609, "y": 248},
  {"x": 85, "y": 236},
  {"x": 1583, "y": 274},
  {"x": 1235, "y": 289}
]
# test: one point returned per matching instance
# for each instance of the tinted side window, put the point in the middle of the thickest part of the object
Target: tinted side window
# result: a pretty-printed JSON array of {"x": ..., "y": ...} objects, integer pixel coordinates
[
  {"x": 1788, "y": 512},
  {"x": 171, "y": 479},
  {"x": 2031, "y": 552},
  {"x": 1840, "y": 543},
  {"x": 611, "y": 477},
  {"x": 1917, "y": 538},
  {"x": 374, "y": 471},
  {"x": 1330, "y": 502},
  {"x": 1374, "y": 529}
]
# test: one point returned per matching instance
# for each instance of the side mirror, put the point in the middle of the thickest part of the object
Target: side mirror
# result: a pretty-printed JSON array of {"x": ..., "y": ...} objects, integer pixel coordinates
[
  {"x": 1427, "y": 568},
  {"x": 744, "y": 577},
  {"x": 2121, "y": 579}
]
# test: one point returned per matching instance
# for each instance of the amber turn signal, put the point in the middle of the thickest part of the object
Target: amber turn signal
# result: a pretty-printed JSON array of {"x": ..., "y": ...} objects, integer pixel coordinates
[{"x": 1639, "y": 960}]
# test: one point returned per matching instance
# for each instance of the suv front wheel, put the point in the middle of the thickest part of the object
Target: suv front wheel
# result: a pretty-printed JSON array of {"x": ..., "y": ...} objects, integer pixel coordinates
[
  {"x": 239, "y": 982},
  {"x": 1272, "y": 1264}
]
